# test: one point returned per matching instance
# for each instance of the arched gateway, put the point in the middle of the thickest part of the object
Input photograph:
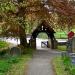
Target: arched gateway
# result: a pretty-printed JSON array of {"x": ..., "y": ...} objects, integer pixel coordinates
[{"x": 43, "y": 27}]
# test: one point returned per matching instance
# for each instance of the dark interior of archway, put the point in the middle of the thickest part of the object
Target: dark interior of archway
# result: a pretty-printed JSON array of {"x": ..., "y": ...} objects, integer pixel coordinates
[{"x": 43, "y": 27}]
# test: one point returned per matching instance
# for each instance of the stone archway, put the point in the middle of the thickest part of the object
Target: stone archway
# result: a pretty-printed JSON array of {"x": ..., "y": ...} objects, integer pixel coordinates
[{"x": 43, "y": 27}]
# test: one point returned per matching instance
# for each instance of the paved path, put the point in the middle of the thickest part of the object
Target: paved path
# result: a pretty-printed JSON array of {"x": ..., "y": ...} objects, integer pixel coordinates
[{"x": 41, "y": 63}]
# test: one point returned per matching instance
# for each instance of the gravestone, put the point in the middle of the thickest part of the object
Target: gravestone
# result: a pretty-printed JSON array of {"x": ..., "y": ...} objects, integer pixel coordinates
[
  {"x": 69, "y": 45},
  {"x": 72, "y": 56},
  {"x": 15, "y": 51},
  {"x": 71, "y": 49},
  {"x": 73, "y": 44}
]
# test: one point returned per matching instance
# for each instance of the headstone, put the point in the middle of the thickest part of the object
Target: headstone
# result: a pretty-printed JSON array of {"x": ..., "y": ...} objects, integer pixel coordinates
[
  {"x": 72, "y": 56},
  {"x": 69, "y": 45},
  {"x": 15, "y": 51},
  {"x": 71, "y": 49},
  {"x": 73, "y": 44}
]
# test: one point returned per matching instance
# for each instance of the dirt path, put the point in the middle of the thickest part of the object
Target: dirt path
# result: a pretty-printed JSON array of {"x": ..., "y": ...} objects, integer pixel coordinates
[{"x": 41, "y": 63}]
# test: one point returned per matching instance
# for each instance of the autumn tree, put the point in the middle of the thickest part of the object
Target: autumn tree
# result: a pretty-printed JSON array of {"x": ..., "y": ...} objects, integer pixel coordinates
[{"x": 21, "y": 17}]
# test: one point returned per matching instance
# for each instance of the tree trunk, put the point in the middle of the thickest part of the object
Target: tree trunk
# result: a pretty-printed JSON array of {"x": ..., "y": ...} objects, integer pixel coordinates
[
  {"x": 52, "y": 43},
  {"x": 22, "y": 35}
]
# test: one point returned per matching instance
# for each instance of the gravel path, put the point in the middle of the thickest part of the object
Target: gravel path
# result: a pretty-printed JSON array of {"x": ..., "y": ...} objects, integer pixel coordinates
[{"x": 41, "y": 63}]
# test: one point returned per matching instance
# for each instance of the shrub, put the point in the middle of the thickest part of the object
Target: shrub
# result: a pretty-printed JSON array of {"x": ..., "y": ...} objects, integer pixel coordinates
[{"x": 3, "y": 44}]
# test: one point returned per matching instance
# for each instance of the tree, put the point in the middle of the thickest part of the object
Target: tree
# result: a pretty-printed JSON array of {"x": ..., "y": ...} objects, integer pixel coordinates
[{"x": 14, "y": 20}]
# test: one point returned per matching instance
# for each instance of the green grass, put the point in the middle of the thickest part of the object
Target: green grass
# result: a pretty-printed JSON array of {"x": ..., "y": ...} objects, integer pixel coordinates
[
  {"x": 20, "y": 67},
  {"x": 69, "y": 67},
  {"x": 62, "y": 48},
  {"x": 15, "y": 65},
  {"x": 60, "y": 35},
  {"x": 58, "y": 66},
  {"x": 63, "y": 66}
]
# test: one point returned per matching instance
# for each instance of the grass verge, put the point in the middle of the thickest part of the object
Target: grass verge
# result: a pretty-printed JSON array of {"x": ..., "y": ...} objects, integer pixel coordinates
[
  {"x": 58, "y": 66},
  {"x": 20, "y": 67},
  {"x": 62, "y": 48},
  {"x": 15, "y": 65}
]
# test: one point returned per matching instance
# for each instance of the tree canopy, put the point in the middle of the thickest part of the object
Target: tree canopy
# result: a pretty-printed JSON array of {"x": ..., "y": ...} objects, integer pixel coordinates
[{"x": 30, "y": 13}]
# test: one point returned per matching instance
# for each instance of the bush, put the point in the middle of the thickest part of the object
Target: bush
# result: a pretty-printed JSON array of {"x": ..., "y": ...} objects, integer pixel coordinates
[
  {"x": 3, "y": 44},
  {"x": 3, "y": 48}
]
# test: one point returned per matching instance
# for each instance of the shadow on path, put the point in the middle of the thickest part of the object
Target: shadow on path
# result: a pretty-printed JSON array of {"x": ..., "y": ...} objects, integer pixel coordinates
[{"x": 41, "y": 62}]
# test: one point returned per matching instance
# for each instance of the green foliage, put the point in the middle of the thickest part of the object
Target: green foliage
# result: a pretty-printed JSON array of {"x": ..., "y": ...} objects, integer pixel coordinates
[
  {"x": 3, "y": 44},
  {"x": 7, "y": 6},
  {"x": 3, "y": 48},
  {"x": 42, "y": 35}
]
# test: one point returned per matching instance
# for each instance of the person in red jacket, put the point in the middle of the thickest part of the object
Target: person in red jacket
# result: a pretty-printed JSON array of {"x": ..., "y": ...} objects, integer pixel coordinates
[
  {"x": 69, "y": 42},
  {"x": 70, "y": 34}
]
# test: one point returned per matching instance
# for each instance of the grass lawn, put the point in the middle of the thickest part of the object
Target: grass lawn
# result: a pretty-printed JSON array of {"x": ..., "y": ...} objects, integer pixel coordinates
[
  {"x": 62, "y": 48},
  {"x": 15, "y": 65},
  {"x": 63, "y": 66},
  {"x": 20, "y": 67},
  {"x": 60, "y": 35},
  {"x": 58, "y": 66}
]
